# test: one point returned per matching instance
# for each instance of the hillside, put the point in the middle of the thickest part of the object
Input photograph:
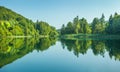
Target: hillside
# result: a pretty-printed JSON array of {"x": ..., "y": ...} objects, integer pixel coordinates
[{"x": 14, "y": 24}]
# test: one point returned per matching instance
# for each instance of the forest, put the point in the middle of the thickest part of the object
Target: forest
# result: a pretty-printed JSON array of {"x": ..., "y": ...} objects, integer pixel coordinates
[
  {"x": 98, "y": 26},
  {"x": 14, "y": 24}
]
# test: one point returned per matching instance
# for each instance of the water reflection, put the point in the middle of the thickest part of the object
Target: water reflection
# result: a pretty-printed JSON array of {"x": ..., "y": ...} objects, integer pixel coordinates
[
  {"x": 13, "y": 48},
  {"x": 77, "y": 46},
  {"x": 99, "y": 47},
  {"x": 113, "y": 47}
]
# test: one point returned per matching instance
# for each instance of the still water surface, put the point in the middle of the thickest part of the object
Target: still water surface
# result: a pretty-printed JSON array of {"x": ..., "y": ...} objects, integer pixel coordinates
[{"x": 51, "y": 55}]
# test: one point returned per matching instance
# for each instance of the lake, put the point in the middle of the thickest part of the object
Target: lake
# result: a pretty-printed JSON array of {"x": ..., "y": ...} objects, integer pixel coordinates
[{"x": 59, "y": 55}]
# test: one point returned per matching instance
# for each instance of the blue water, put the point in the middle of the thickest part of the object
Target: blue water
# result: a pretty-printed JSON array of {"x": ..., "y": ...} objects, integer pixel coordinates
[{"x": 57, "y": 59}]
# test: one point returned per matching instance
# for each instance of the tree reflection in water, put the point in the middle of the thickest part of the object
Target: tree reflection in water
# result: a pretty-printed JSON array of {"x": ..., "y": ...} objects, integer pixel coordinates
[
  {"x": 12, "y": 49},
  {"x": 99, "y": 47}
]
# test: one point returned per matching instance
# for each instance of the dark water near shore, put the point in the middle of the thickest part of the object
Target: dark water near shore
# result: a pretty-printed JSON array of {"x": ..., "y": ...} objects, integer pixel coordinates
[{"x": 57, "y": 55}]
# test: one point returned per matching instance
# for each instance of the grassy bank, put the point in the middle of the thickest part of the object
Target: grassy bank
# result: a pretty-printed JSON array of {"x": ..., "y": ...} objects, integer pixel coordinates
[{"x": 89, "y": 36}]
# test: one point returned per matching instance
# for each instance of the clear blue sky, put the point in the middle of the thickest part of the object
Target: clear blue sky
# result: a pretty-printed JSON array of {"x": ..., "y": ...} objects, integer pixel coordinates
[{"x": 58, "y": 12}]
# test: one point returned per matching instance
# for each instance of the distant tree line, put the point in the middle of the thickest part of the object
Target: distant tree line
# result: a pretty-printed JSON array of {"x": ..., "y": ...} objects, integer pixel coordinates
[
  {"x": 98, "y": 26},
  {"x": 13, "y": 24}
]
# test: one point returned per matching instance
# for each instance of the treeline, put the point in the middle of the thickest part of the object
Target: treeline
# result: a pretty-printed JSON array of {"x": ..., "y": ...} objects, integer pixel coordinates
[
  {"x": 75, "y": 27},
  {"x": 13, "y": 24},
  {"x": 98, "y": 26}
]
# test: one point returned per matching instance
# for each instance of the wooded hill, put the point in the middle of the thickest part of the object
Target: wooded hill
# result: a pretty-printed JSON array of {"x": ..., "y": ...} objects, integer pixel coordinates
[{"x": 14, "y": 24}]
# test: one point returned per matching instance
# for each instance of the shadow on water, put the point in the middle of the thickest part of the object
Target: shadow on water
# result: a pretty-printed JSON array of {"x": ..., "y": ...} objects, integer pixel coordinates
[{"x": 12, "y": 49}]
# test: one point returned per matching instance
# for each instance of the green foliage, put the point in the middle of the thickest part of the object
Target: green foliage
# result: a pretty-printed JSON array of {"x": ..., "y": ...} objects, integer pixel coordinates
[
  {"x": 114, "y": 24},
  {"x": 85, "y": 27},
  {"x": 76, "y": 27},
  {"x": 98, "y": 25},
  {"x": 62, "y": 30},
  {"x": 13, "y": 24},
  {"x": 7, "y": 29},
  {"x": 45, "y": 29}
]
